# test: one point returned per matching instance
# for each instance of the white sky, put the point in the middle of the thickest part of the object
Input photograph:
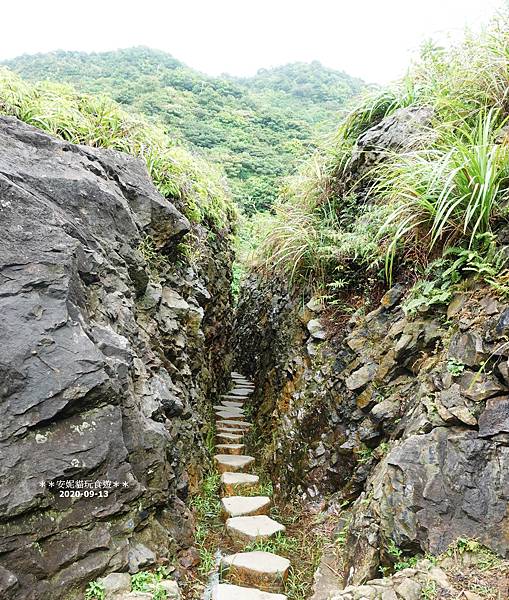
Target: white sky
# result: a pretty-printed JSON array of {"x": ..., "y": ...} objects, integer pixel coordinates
[{"x": 372, "y": 39}]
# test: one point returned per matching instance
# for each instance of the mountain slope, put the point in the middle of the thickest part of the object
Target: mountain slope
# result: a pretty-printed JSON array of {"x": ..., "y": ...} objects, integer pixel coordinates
[{"x": 257, "y": 128}]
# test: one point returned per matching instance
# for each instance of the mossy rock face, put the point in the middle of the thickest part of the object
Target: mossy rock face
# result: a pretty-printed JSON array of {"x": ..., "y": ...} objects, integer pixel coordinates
[
  {"x": 395, "y": 404},
  {"x": 90, "y": 466}
]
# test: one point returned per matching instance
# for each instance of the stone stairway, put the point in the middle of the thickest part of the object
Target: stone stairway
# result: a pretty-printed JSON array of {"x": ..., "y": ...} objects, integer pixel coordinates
[{"x": 244, "y": 575}]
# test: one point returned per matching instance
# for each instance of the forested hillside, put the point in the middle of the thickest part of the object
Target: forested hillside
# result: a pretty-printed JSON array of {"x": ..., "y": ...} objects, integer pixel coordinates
[{"x": 256, "y": 128}]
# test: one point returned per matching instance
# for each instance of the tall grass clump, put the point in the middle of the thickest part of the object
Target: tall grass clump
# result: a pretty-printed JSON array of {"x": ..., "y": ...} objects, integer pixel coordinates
[
  {"x": 98, "y": 121},
  {"x": 448, "y": 194},
  {"x": 335, "y": 224}
]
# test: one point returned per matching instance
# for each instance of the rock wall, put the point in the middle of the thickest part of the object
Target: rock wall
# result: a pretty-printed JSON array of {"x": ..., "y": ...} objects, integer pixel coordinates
[
  {"x": 405, "y": 416},
  {"x": 111, "y": 345}
]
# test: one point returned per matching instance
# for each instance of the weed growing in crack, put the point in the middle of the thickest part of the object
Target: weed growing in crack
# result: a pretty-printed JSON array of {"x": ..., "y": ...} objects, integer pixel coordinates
[
  {"x": 397, "y": 555},
  {"x": 455, "y": 367},
  {"x": 207, "y": 560},
  {"x": 296, "y": 585},
  {"x": 156, "y": 262},
  {"x": 364, "y": 454},
  {"x": 95, "y": 591},
  {"x": 206, "y": 503},
  {"x": 266, "y": 488},
  {"x": 429, "y": 591},
  {"x": 303, "y": 544}
]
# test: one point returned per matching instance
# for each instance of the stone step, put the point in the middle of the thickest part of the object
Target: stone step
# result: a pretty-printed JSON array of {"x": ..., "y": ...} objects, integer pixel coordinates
[
  {"x": 238, "y": 399},
  {"x": 233, "y": 430},
  {"x": 234, "y": 424},
  {"x": 245, "y": 506},
  {"x": 234, "y": 449},
  {"x": 236, "y": 429},
  {"x": 235, "y": 483},
  {"x": 244, "y": 530},
  {"x": 228, "y": 430},
  {"x": 230, "y": 438},
  {"x": 238, "y": 412},
  {"x": 231, "y": 404},
  {"x": 221, "y": 406},
  {"x": 241, "y": 390},
  {"x": 227, "y": 414},
  {"x": 236, "y": 374},
  {"x": 227, "y": 462},
  {"x": 226, "y": 591},
  {"x": 243, "y": 383},
  {"x": 263, "y": 570}
]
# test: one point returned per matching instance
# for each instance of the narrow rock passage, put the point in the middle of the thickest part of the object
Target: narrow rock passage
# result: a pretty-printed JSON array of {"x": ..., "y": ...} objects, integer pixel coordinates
[{"x": 244, "y": 575}]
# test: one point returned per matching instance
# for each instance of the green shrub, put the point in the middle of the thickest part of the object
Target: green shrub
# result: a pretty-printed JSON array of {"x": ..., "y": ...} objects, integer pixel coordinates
[
  {"x": 455, "y": 367},
  {"x": 95, "y": 591},
  {"x": 485, "y": 261},
  {"x": 426, "y": 294},
  {"x": 400, "y": 561},
  {"x": 148, "y": 581},
  {"x": 207, "y": 507},
  {"x": 486, "y": 559}
]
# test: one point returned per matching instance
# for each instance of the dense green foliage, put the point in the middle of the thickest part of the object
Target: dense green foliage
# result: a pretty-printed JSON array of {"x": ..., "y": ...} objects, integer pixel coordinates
[
  {"x": 444, "y": 200},
  {"x": 97, "y": 121},
  {"x": 256, "y": 128}
]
